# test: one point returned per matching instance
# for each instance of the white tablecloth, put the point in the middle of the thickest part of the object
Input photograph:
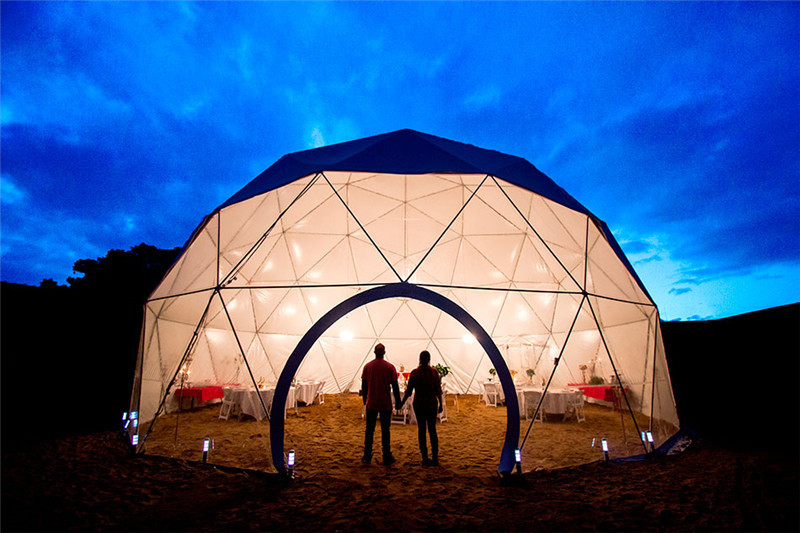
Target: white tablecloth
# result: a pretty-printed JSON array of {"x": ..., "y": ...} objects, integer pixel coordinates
[
  {"x": 250, "y": 405},
  {"x": 491, "y": 384},
  {"x": 556, "y": 401},
  {"x": 306, "y": 391}
]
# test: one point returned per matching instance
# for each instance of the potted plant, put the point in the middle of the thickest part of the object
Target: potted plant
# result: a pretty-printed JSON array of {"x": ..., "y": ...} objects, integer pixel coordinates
[
  {"x": 596, "y": 380},
  {"x": 441, "y": 369},
  {"x": 530, "y": 373},
  {"x": 492, "y": 374}
]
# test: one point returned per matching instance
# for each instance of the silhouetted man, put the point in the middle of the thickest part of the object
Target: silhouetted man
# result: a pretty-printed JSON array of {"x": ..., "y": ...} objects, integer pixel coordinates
[
  {"x": 427, "y": 404},
  {"x": 378, "y": 377}
]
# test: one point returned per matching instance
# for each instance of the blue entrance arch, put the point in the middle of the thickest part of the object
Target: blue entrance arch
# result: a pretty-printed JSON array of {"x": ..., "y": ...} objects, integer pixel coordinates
[{"x": 396, "y": 290}]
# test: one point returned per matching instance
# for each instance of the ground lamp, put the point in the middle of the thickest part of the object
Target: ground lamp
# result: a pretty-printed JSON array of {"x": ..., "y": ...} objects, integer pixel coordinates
[
  {"x": 206, "y": 443},
  {"x": 290, "y": 464}
]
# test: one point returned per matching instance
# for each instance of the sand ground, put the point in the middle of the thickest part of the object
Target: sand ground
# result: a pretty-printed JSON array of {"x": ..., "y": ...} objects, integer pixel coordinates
[
  {"x": 92, "y": 482},
  {"x": 329, "y": 438}
]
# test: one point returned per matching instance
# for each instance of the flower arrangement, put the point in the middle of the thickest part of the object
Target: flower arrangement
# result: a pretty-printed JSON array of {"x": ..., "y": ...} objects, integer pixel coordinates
[
  {"x": 492, "y": 373},
  {"x": 583, "y": 372},
  {"x": 530, "y": 374},
  {"x": 441, "y": 369}
]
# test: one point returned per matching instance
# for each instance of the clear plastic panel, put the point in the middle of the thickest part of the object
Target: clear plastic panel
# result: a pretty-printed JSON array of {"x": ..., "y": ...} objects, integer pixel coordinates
[
  {"x": 557, "y": 233},
  {"x": 196, "y": 268},
  {"x": 242, "y": 226},
  {"x": 665, "y": 415},
  {"x": 627, "y": 334},
  {"x": 290, "y": 316},
  {"x": 607, "y": 275}
]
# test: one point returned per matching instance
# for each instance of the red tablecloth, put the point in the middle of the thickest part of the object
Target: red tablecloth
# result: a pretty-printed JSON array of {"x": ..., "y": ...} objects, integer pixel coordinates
[
  {"x": 204, "y": 394},
  {"x": 599, "y": 392}
]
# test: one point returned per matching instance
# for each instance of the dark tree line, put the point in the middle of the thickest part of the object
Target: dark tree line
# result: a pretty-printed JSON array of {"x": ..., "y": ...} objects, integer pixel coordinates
[{"x": 68, "y": 352}]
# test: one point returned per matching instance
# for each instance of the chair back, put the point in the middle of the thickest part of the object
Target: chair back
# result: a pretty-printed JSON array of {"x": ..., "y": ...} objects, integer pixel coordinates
[{"x": 532, "y": 397}]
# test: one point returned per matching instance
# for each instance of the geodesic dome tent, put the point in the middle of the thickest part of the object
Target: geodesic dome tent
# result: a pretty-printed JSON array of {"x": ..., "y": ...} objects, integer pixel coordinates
[{"x": 487, "y": 231}]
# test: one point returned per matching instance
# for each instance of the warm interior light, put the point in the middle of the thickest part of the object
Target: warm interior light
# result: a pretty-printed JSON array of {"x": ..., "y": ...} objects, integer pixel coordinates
[
  {"x": 346, "y": 335},
  {"x": 468, "y": 338}
]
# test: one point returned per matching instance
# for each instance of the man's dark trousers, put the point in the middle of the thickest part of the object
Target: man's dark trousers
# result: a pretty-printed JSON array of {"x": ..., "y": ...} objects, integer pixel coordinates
[{"x": 386, "y": 425}]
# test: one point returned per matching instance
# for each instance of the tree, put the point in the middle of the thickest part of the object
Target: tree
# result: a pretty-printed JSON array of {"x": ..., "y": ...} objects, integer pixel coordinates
[{"x": 83, "y": 336}]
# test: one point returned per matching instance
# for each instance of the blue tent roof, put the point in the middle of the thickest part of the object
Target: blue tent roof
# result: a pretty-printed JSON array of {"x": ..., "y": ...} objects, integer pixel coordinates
[
  {"x": 406, "y": 152},
  {"x": 412, "y": 152}
]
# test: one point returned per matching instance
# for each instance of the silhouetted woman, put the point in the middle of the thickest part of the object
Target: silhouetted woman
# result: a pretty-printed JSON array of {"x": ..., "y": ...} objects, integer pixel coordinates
[{"x": 427, "y": 404}]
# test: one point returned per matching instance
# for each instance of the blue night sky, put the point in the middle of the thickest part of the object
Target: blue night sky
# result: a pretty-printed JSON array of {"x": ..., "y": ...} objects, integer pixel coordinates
[{"x": 676, "y": 123}]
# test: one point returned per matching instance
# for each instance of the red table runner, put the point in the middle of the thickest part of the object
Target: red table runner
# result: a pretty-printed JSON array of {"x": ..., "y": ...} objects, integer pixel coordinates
[{"x": 204, "y": 394}]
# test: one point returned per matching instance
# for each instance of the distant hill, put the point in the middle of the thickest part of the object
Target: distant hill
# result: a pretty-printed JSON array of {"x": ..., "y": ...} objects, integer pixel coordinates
[{"x": 736, "y": 379}]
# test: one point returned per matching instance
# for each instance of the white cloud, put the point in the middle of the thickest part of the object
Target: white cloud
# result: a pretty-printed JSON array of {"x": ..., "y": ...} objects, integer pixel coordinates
[
  {"x": 483, "y": 97},
  {"x": 10, "y": 193},
  {"x": 7, "y": 115},
  {"x": 336, "y": 131},
  {"x": 129, "y": 223},
  {"x": 317, "y": 139}
]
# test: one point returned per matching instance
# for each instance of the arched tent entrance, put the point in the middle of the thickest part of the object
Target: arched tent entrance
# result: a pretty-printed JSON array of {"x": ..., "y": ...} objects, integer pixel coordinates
[{"x": 393, "y": 291}]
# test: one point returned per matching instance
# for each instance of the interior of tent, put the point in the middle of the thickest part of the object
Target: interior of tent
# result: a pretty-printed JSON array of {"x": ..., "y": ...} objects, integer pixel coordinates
[{"x": 545, "y": 281}]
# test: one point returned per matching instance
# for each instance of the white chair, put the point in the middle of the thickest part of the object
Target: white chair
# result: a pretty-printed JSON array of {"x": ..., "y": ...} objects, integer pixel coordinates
[
  {"x": 401, "y": 416},
  {"x": 575, "y": 407},
  {"x": 492, "y": 394},
  {"x": 318, "y": 394},
  {"x": 443, "y": 415},
  {"x": 531, "y": 400},
  {"x": 229, "y": 405}
]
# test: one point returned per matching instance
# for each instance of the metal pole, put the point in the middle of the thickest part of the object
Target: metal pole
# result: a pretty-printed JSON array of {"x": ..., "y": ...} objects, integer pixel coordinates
[{"x": 180, "y": 402}]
